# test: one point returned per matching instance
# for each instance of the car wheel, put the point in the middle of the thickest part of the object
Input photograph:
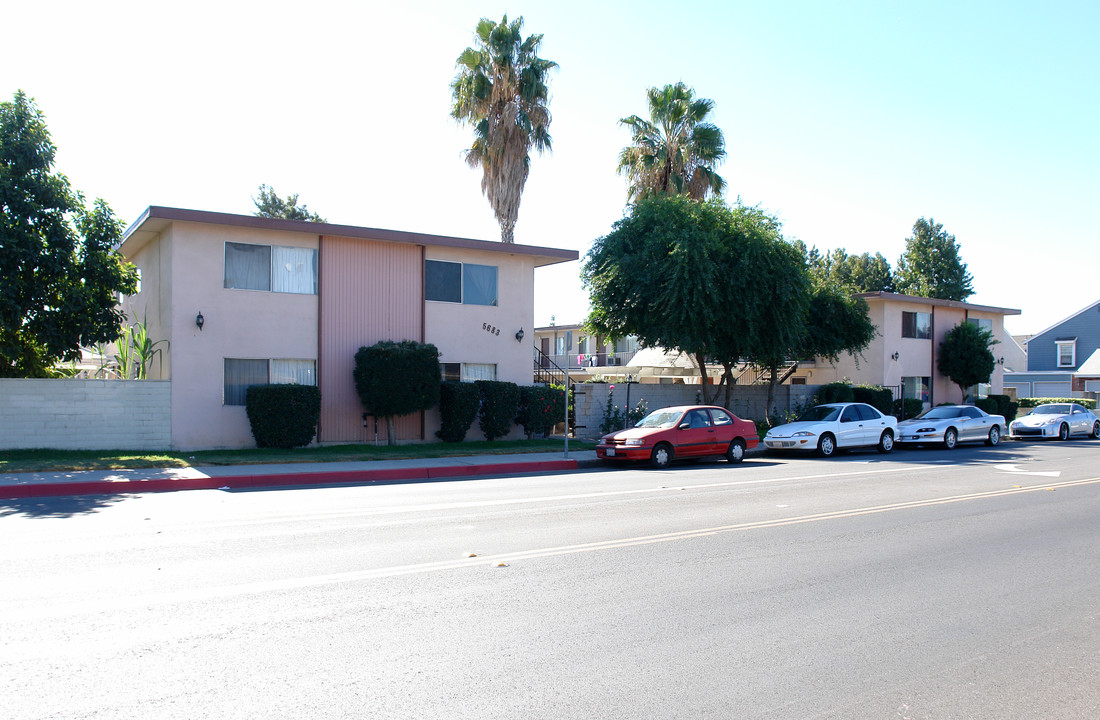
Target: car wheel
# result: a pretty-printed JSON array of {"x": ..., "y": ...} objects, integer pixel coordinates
[
  {"x": 950, "y": 439},
  {"x": 1095, "y": 430},
  {"x": 661, "y": 456},
  {"x": 826, "y": 446},
  {"x": 1063, "y": 432},
  {"x": 994, "y": 436},
  {"x": 735, "y": 453},
  {"x": 886, "y": 442}
]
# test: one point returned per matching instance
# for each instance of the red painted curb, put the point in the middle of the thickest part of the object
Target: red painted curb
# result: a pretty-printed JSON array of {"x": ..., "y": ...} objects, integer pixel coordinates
[{"x": 237, "y": 482}]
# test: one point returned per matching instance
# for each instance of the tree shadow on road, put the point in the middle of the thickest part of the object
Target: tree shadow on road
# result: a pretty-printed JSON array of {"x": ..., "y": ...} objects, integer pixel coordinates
[{"x": 58, "y": 507}]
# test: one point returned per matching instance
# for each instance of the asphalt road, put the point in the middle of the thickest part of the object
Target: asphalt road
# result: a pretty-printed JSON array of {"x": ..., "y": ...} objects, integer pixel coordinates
[{"x": 922, "y": 584}]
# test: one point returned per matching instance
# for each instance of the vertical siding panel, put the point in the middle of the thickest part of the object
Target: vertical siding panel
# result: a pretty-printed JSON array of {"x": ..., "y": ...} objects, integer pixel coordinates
[{"x": 370, "y": 291}]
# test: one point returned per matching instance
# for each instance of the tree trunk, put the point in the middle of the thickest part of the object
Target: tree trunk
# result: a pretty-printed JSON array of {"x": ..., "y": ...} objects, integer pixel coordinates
[
  {"x": 391, "y": 431},
  {"x": 771, "y": 392},
  {"x": 702, "y": 362}
]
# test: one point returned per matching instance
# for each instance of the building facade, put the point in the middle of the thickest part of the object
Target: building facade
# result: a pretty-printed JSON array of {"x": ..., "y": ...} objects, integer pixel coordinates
[{"x": 243, "y": 300}]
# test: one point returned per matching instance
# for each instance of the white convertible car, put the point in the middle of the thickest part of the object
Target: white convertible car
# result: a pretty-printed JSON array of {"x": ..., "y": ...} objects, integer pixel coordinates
[
  {"x": 951, "y": 425},
  {"x": 1060, "y": 420}
]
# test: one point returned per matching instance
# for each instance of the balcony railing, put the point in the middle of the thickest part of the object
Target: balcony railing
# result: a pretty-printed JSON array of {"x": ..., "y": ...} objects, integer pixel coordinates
[{"x": 581, "y": 361}]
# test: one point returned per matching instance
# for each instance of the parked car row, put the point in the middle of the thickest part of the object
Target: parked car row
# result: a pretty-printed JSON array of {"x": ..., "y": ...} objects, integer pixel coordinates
[{"x": 688, "y": 431}]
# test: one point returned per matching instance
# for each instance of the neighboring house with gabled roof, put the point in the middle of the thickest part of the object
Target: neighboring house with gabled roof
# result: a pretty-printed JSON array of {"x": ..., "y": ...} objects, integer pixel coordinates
[
  {"x": 1062, "y": 360},
  {"x": 244, "y": 300}
]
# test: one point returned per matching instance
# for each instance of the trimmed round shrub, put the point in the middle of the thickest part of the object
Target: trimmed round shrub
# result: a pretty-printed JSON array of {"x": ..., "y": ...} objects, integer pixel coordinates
[
  {"x": 283, "y": 416},
  {"x": 540, "y": 409},
  {"x": 906, "y": 408},
  {"x": 499, "y": 402},
  {"x": 458, "y": 403}
]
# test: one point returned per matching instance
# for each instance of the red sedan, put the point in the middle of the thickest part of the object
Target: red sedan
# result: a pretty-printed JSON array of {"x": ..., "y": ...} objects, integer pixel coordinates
[{"x": 685, "y": 431}]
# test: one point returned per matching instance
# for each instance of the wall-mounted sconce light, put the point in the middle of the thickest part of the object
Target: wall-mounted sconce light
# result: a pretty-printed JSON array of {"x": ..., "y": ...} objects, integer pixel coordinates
[
  {"x": 199, "y": 320},
  {"x": 1000, "y": 361},
  {"x": 896, "y": 355},
  {"x": 519, "y": 335}
]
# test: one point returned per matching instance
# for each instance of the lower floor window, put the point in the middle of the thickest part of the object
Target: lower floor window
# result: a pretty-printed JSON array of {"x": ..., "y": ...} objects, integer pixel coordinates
[
  {"x": 916, "y": 387},
  {"x": 240, "y": 374},
  {"x": 468, "y": 372}
]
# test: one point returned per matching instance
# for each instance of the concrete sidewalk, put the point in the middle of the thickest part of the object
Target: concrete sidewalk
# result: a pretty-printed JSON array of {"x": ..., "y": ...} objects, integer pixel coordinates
[{"x": 235, "y": 477}]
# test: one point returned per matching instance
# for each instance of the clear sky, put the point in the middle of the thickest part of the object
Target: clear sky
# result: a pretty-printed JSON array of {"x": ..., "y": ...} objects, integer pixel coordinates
[{"x": 847, "y": 120}]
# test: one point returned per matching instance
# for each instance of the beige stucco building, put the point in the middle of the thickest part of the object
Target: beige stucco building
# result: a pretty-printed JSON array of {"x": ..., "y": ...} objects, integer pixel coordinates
[
  {"x": 903, "y": 354},
  {"x": 292, "y": 301}
]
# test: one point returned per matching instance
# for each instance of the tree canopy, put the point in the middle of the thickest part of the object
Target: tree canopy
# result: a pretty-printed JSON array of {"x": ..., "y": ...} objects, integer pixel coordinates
[
  {"x": 502, "y": 91},
  {"x": 931, "y": 266},
  {"x": 715, "y": 282},
  {"x": 61, "y": 272},
  {"x": 270, "y": 205},
  {"x": 965, "y": 356},
  {"x": 674, "y": 152},
  {"x": 850, "y": 273}
]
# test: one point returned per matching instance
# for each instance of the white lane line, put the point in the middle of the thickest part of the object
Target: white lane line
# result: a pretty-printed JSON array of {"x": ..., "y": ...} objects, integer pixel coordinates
[{"x": 229, "y": 591}]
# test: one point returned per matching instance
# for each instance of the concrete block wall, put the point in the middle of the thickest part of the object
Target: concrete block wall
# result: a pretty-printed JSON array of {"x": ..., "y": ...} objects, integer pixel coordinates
[
  {"x": 746, "y": 401},
  {"x": 73, "y": 414}
]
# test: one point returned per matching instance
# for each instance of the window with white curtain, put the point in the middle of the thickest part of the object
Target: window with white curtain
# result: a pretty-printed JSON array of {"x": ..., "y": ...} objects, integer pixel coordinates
[
  {"x": 296, "y": 372},
  {"x": 294, "y": 270},
  {"x": 240, "y": 373},
  {"x": 268, "y": 267},
  {"x": 478, "y": 371}
]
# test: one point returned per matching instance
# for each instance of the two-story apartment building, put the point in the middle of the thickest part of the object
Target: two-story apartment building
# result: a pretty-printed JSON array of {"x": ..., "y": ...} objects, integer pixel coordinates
[
  {"x": 903, "y": 354},
  {"x": 243, "y": 300}
]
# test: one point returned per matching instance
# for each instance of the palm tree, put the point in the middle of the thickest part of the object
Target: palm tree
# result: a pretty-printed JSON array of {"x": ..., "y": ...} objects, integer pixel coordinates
[
  {"x": 674, "y": 152},
  {"x": 501, "y": 90}
]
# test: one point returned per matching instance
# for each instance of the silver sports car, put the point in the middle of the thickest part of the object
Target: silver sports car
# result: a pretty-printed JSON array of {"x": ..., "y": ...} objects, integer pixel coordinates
[
  {"x": 951, "y": 425},
  {"x": 1058, "y": 420}
]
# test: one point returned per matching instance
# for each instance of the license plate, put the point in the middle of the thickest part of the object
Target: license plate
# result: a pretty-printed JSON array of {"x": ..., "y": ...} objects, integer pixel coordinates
[{"x": 610, "y": 452}]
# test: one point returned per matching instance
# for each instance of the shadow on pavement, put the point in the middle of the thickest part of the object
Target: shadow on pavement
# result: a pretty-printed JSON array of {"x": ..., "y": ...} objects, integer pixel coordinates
[{"x": 59, "y": 507}]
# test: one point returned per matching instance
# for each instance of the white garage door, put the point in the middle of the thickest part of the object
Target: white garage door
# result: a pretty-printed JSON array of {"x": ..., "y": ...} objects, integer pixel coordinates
[
  {"x": 1052, "y": 389},
  {"x": 1022, "y": 389},
  {"x": 1092, "y": 386}
]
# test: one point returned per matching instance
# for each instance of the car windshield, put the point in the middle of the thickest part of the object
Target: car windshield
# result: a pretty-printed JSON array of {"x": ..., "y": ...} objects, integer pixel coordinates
[
  {"x": 821, "y": 413},
  {"x": 940, "y": 413},
  {"x": 1051, "y": 410},
  {"x": 659, "y": 419}
]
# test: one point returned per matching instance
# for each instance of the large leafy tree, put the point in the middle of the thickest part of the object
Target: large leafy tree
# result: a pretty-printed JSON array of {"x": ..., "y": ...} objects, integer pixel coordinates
[
  {"x": 931, "y": 266},
  {"x": 965, "y": 356},
  {"x": 675, "y": 151},
  {"x": 715, "y": 282},
  {"x": 60, "y": 274},
  {"x": 270, "y": 205},
  {"x": 502, "y": 91}
]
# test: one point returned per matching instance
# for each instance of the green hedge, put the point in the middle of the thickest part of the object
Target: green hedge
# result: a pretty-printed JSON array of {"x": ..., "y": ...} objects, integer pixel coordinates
[
  {"x": 540, "y": 408},
  {"x": 458, "y": 403},
  {"x": 876, "y": 396},
  {"x": 906, "y": 408},
  {"x": 283, "y": 416},
  {"x": 999, "y": 405},
  {"x": 1036, "y": 401},
  {"x": 834, "y": 393},
  {"x": 499, "y": 402}
]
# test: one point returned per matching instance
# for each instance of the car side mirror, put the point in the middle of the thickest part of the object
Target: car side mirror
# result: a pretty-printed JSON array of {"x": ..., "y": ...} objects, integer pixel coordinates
[{"x": 685, "y": 425}]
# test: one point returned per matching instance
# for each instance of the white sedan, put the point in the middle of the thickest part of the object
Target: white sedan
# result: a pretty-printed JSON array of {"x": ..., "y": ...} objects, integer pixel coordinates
[
  {"x": 1058, "y": 420},
  {"x": 950, "y": 425},
  {"x": 827, "y": 428}
]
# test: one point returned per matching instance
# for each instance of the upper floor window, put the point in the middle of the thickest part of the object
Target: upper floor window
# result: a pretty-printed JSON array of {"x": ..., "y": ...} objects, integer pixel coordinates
[
  {"x": 464, "y": 283},
  {"x": 982, "y": 323},
  {"x": 1067, "y": 352},
  {"x": 916, "y": 325},
  {"x": 270, "y": 267}
]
